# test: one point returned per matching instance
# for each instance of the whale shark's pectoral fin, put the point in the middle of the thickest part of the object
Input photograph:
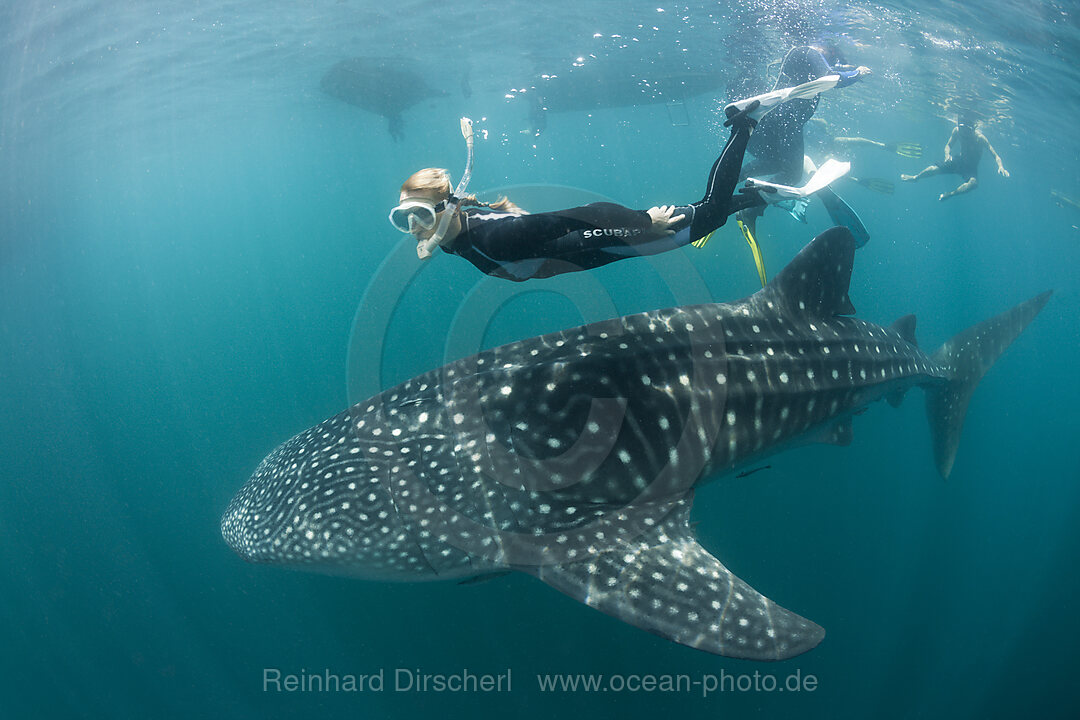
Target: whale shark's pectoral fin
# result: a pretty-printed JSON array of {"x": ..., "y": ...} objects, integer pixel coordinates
[{"x": 668, "y": 584}]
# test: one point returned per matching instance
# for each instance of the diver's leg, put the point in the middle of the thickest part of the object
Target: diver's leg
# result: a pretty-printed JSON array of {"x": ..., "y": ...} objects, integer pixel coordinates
[
  {"x": 967, "y": 186},
  {"x": 724, "y": 175},
  {"x": 925, "y": 172},
  {"x": 713, "y": 209},
  {"x": 766, "y": 144},
  {"x": 787, "y": 167},
  {"x": 748, "y": 205}
]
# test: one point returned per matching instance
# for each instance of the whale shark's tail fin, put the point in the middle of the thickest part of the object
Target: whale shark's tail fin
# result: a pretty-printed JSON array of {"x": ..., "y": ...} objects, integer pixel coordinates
[{"x": 967, "y": 357}]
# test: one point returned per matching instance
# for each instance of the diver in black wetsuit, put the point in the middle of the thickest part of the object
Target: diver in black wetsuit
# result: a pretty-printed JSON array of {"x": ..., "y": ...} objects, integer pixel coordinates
[
  {"x": 519, "y": 246},
  {"x": 504, "y": 241},
  {"x": 963, "y": 151},
  {"x": 778, "y": 144}
]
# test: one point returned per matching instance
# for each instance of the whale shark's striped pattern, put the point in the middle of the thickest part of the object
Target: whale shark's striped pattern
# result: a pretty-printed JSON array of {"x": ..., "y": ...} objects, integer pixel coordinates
[{"x": 574, "y": 456}]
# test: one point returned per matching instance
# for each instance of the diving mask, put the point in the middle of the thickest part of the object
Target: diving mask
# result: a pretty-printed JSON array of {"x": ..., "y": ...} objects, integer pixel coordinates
[{"x": 413, "y": 213}]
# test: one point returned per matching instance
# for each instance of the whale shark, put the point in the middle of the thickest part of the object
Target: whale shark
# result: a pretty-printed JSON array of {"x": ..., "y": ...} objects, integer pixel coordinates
[
  {"x": 574, "y": 457},
  {"x": 611, "y": 83},
  {"x": 385, "y": 86}
]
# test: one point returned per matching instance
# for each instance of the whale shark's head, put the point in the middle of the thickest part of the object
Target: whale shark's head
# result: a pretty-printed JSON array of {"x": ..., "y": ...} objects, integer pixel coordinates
[
  {"x": 321, "y": 502},
  {"x": 541, "y": 452}
]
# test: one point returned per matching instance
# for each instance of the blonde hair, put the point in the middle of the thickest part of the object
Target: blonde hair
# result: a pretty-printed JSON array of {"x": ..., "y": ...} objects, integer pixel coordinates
[{"x": 434, "y": 184}]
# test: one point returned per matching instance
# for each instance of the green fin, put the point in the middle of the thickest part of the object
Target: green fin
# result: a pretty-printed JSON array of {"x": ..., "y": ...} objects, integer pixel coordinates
[
  {"x": 758, "y": 260},
  {"x": 906, "y": 149},
  {"x": 842, "y": 214},
  {"x": 885, "y": 187}
]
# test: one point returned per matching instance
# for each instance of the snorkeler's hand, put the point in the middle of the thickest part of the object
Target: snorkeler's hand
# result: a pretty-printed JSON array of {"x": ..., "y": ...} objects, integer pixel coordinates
[
  {"x": 1002, "y": 171},
  {"x": 863, "y": 70},
  {"x": 662, "y": 219}
]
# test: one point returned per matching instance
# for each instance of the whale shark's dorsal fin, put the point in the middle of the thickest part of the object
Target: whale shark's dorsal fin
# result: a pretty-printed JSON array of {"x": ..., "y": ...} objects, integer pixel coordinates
[
  {"x": 905, "y": 328},
  {"x": 815, "y": 283},
  {"x": 665, "y": 582}
]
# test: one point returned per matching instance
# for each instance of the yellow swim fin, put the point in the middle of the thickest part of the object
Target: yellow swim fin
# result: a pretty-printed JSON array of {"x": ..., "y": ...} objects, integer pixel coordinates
[
  {"x": 702, "y": 242},
  {"x": 758, "y": 261}
]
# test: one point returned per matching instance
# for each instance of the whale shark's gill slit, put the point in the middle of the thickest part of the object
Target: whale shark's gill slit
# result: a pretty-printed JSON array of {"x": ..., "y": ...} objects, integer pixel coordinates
[{"x": 411, "y": 531}]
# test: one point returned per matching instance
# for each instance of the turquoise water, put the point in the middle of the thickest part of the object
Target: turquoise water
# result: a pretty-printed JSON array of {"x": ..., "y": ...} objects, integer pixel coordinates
[{"x": 192, "y": 247}]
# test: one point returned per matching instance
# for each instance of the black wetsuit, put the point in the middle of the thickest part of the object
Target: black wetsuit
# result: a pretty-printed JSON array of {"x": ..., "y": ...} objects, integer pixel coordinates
[
  {"x": 965, "y": 161},
  {"x": 778, "y": 145},
  {"x": 520, "y": 247}
]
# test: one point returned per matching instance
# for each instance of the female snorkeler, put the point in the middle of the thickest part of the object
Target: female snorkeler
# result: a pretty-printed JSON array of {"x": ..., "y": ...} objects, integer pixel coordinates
[{"x": 505, "y": 241}]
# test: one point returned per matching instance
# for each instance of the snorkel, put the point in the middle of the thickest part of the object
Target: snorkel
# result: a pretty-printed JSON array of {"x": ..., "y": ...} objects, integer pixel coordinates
[{"x": 424, "y": 248}]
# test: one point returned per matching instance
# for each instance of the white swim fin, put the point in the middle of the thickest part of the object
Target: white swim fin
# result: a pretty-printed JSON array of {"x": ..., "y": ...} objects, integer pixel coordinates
[
  {"x": 825, "y": 175},
  {"x": 771, "y": 100},
  {"x": 775, "y": 192}
]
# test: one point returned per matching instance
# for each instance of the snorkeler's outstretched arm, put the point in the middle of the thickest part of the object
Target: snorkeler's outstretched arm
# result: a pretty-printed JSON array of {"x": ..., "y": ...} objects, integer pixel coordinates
[
  {"x": 858, "y": 141},
  {"x": 948, "y": 145},
  {"x": 1000, "y": 166}
]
